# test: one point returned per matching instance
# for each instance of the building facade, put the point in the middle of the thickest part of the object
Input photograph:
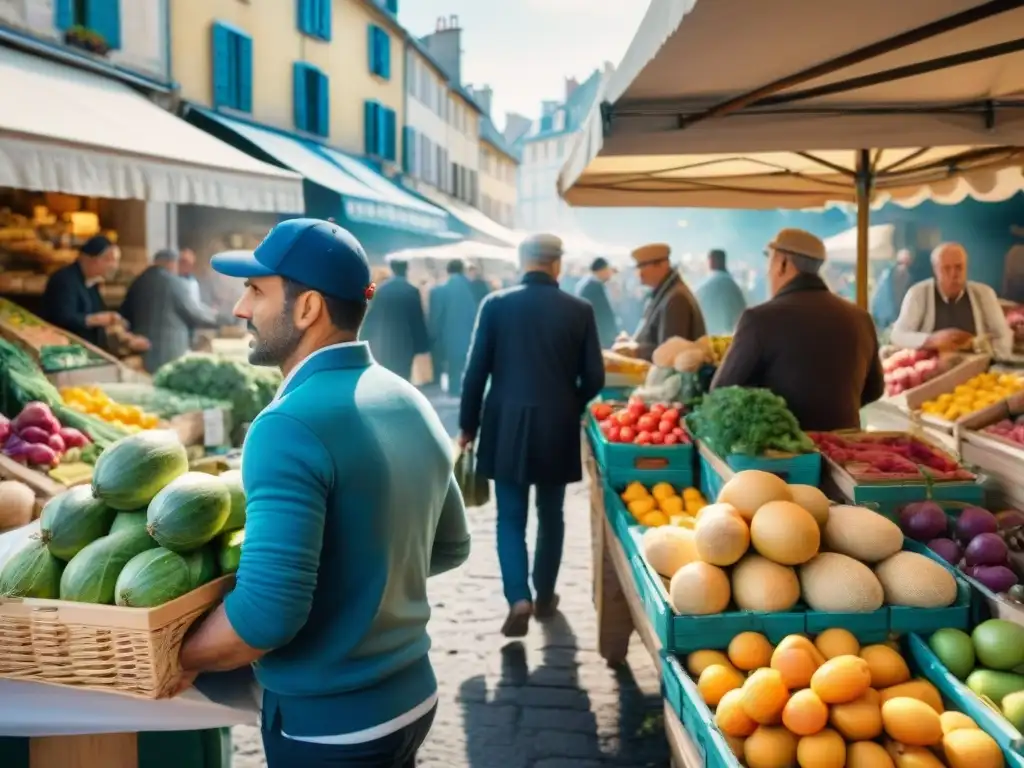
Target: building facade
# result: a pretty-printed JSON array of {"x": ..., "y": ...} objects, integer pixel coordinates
[
  {"x": 544, "y": 149},
  {"x": 499, "y": 165}
]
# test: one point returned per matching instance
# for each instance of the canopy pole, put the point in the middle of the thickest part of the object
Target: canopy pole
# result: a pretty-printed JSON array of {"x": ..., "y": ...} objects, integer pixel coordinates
[{"x": 864, "y": 184}]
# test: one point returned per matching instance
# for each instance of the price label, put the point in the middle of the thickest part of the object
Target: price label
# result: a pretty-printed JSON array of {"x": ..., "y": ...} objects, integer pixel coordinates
[{"x": 214, "y": 433}]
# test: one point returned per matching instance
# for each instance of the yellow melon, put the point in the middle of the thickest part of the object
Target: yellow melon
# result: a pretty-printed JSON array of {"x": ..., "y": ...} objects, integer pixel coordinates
[
  {"x": 813, "y": 500},
  {"x": 749, "y": 651},
  {"x": 668, "y": 549},
  {"x": 716, "y": 681},
  {"x": 858, "y": 720},
  {"x": 837, "y": 641},
  {"x": 758, "y": 584},
  {"x": 841, "y": 679},
  {"x": 918, "y": 689},
  {"x": 764, "y": 696},
  {"x": 910, "y": 721},
  {"x": 805, "y": 714},
  {"x": 699, "y": 589},
  {"x": 721, "y": 539},
  {"x": 862, "y": 534},
  {"x": 955, "y": 721},
  {"x": 785, "y": 533},
  {"x": 711, "y": 510},
  {"x": 834, "y": 583},
  {"x": 887, "y": 666},
  {"x": 916, "y": 581},
  {"x": 770, "y": 747},
  {"x": 698, "y": 661},
  {"x": 751, "y": 489},
  {"x": 730, "y": 717},
  {"x": 971, "y": 748},
  {"x": 825, "y": 749},
  {"x": 867, "y": 754}
]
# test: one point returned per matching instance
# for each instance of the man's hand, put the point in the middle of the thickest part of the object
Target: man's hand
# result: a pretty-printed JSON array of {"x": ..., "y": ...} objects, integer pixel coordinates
[
  {"x": 138, "y": 343},
  {"x": 949, "y": 340},
  {"x": 465, "y": 439},
  {"x": 101, "y": 319},
  {"x": 186, "y": 679}
]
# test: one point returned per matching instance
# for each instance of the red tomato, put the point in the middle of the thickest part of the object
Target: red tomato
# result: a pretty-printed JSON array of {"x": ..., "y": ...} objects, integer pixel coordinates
[
  {"x": 642, "y": 438},
  {"x": 602, "y": 411},
  {"x": 634, "y": 399},
  {"x": 671, "y": 415},
  {"x": 626, "y": 434},
  {"x": 658, "y": 409},
  {"x": 670, "y": 439},
  {"x": 678, "y": 431},
  {"x": 625, "y": 418},
  {"x": 637, "y": 409},
  {"x": 666, "y": 427},
  {"x": 612, "y": 433},
  {"x": 657, "y": 438},
  {"x": 647, "y": 423}
]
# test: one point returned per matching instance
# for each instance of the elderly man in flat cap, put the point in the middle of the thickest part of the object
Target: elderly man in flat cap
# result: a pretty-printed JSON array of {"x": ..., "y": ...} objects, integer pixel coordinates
[
  {"x": 538, "y": 347},
  {"x": 816, "y": 350},
  {"x": 672, "y": 309}
]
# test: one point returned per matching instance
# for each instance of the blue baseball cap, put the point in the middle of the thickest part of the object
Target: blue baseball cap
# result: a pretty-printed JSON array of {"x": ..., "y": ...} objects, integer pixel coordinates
[{"x": 319, "y": 254}]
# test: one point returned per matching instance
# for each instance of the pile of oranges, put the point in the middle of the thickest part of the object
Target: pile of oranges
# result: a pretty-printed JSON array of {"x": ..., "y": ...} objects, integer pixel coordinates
[
  {"x": 663, "y": 505},
  {"x": 95, "y": 401}
]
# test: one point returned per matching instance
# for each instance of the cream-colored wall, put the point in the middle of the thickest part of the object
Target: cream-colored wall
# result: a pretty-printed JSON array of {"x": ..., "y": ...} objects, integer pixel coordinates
[
  {"x": 277, "y": 45},
  {"x": 498, "y": 191},
  {"x": 463, "y": 133}
]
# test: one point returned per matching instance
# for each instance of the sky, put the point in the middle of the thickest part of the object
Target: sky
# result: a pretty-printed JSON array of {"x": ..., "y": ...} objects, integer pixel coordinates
[{"x": 524, "y": 49}]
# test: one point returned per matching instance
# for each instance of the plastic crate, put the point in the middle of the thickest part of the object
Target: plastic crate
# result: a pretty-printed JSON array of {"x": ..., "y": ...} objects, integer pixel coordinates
[
  {"x": 802, "y": 469},
  {"x": 888, "y": 499},
  {"x": 682, "y": 696},
  {"x": 649, "y": 464},
  {"x": 965, "y": 700}
]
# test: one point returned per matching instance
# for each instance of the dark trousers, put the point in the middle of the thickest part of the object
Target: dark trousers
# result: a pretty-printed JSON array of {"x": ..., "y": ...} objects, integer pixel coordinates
[
  {"x": 513, "y": 510},
  {"x": 397, "y": 750}
]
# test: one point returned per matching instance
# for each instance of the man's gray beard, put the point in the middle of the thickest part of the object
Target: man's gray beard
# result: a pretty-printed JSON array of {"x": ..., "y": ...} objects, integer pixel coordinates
[{"x": 277, "y": 344}]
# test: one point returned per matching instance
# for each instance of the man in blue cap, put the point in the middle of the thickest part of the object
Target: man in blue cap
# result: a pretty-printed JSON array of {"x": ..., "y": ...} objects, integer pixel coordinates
[
  {"x": 351, "y": 506},
  {"x": 539, "y": 349}
]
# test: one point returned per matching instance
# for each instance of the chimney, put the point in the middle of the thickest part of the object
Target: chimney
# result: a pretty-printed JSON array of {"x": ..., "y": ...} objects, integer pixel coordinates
[
  {"x": 445, "y": 45},
  {"x": 516, "y": 126},
  {"x": 547, "y": 108},
  {"x": 571, "y": 84},
  {"x": 484, "y": 95}
]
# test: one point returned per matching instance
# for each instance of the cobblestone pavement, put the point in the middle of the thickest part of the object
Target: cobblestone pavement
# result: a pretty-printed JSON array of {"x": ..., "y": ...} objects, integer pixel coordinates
[{"x": 547, "y": 702}]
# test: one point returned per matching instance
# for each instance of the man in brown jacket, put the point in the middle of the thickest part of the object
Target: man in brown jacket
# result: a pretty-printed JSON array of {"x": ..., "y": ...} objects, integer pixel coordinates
[
  {"x": 672, "y": 309},
  {"x": 816, "y": 350}
]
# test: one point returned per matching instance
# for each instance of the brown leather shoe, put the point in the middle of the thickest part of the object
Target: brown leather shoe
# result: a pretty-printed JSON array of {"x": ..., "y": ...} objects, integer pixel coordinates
[
  {"x": 546, "y": 609},
  {"x": 517, "y": 624}
]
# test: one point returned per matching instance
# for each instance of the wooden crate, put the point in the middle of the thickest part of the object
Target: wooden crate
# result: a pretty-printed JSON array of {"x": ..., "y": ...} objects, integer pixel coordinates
[
  {"x": 979, "y": 419},
  {"x": 101, "y": 647},
  {"x": 970, "y": 367},
  {"x": 1001, "y": 461},
  {"x": 44, "y": 486}
]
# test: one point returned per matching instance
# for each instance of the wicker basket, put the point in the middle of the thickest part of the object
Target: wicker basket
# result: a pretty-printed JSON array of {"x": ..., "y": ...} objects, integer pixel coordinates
[{"x": 101, "y": 647}]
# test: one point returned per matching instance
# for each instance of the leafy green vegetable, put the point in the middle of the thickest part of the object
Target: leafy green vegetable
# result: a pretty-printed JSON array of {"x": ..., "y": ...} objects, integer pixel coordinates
[
  {"x": 249, "y": 389},
  {"x": 165, "y": 403},
  {"x": 748, "y": 421}
]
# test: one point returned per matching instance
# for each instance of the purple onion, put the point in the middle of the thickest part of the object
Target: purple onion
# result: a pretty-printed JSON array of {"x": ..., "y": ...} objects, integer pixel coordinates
[
  {"x": 923, "y": 520},
  {"x": 986, "y": 549},
  {"x": 996, "y": 578},
  {"x": 974, "y": 521},
  {"x": 947, "y": 549}
]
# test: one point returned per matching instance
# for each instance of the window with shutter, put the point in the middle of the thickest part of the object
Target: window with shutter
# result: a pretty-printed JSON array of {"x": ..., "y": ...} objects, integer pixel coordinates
[
  {"x": 232, "y": 68},
  {"x": 311, "y": 99},
  {"x": 408, "y": 150},
  {"x": 379, "y": 52},
  {"x": 391, "y": 6},
  {"x": 315, "y": 18},
  {"x": 370, "y": 132},
  {"x": 104, "y": 18}
]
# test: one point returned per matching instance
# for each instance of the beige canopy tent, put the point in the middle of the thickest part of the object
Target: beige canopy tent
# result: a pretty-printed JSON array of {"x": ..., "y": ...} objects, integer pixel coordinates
[
  {"x": 747, "y": 104},
  {"x": 842, "y": 248}
]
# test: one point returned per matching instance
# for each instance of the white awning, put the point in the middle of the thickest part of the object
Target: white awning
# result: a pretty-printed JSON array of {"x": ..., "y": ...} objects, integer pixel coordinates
[
  {"x": 66, "y": 130},
  {"x": 842, "y": 248},
  {"x": 472, "y": 218}
]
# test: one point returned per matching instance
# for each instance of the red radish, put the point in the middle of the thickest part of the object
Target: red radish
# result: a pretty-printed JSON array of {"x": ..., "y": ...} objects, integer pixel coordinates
[
  {"x": 42, "y": 455},
  {"x": 34, "y": 435},
  {"x": 36, "y": 414},
  {"x": 57, "y": 443}
]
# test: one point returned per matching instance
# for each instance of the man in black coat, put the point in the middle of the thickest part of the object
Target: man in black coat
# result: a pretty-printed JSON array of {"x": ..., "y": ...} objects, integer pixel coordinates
[
  {"x": 538, "y": 347},
  {"x": 72, "y": 298},
  {"x": 395, "y": 326},
  {"x": 592, "y": 288}
]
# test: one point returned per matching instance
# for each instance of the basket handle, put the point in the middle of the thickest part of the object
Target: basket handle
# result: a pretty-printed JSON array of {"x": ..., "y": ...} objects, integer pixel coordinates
[{"x": 650, "y": 462}]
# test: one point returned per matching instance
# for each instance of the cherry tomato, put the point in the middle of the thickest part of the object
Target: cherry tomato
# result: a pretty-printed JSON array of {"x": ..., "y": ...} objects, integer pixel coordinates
[
  {"x": 642, "y": 438},
  {"x": 657, "y": 438},
  {"x": 671, "y": 415},
  {"x": 626, "y": 434},
  {"x": 666, "y": 427},
  {"x": 670, "y": 439},
  {"x": 625, "y": 418},
  {"x": 647, "y": 423},
  {"x": 612, "y": 433}
]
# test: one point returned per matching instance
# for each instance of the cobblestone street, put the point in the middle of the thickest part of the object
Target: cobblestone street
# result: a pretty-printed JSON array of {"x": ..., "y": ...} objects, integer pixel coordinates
[{"x": 547, "y": 702}]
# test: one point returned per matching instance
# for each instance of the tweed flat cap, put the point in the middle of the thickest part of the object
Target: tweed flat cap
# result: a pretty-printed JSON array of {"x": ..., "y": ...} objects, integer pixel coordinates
[
  {"x": 648, "y": 254},
  {"x": 541, "y": 248}
]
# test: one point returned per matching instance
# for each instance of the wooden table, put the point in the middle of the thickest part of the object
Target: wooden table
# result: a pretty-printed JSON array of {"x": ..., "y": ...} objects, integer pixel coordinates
[{"x": 620, "y": 612}]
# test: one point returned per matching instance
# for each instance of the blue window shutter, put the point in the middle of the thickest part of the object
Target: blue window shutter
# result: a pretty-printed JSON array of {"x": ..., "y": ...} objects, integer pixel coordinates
[
  {"x": 304, "y": 16},
  {"x": 325, "y": 19},
  {"x": 323, "y": 106},
  {"x": 369, "y": 128},
  {"x": 371, "y": 49},
  {"x": 385, "y": 55},
  {"x": 243, "y": 52},
  {"x": 390, "y": 135},
  {"x": 380, "y": 132},
  {"x": 222, "y": 66},
  {"x": 299, "y": 95},
  {"x": 392, "y": 6},
  {"x": 104, "y": 18},
  {"x": 63, "y": 14}
]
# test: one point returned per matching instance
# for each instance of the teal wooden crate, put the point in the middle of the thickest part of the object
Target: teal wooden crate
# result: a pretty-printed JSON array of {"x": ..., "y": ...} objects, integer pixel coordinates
[
  {"x": 889, "y": 498},
  {"x": 803, "y": 469},
  {"x": 964, "y": 699},
  {"x": 683, "y": 634},
  {"x": 868, "y": 628},
  {"x": 682, "y": 697},
  {"x": 622, "y": 463}
]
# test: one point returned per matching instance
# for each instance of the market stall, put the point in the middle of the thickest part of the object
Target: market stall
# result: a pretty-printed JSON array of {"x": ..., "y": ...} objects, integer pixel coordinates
[{"x": 761, "y": 565}]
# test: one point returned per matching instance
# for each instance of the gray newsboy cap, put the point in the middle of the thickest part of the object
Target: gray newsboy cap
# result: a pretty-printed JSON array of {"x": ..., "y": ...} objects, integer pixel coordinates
[{"x": 541, "y": 248}]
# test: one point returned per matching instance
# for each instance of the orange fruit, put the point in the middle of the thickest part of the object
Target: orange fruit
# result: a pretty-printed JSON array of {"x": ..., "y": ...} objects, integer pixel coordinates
[
  {"x": 805, "y": 714},
  {"x": 730, "y": 717},
  {"x": 750, "y": 650},
  {"x": 769, "y": 747},
  {"x": 837, "y": 642},
  {"x": 825, "y": 749},
  {"x": 795, "y": 665},
  {"x": 799, "y": 641},
  {"x": 764, "y": 696},
  {"x": 841, "y": 679},
  {"x": 716, "y": 681}
]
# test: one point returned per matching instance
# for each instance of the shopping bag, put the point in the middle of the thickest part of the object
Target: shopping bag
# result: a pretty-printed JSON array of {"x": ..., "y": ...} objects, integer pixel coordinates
[
  {"x": 422, "y": 370},
  {"x": 476, "y": 490}
]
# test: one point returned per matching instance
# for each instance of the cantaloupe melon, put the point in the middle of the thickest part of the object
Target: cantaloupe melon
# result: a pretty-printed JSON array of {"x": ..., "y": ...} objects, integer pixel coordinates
[
  {"x": 813, "y": 500},
  {"x": 711, "y": 510},
  {"x": 836, "y": 583},
  {"x": 751, "y": 489},
  {"x": 758, "y": 584},
  {"x": 721, "y": 539},
  {"x": 916, "y": 581},
  {"x": 861, "y": 534},
  {"x": 785, "y": 533},
  {"x": 668, "y": 549},
  {"x": 699, "y": 589}
]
